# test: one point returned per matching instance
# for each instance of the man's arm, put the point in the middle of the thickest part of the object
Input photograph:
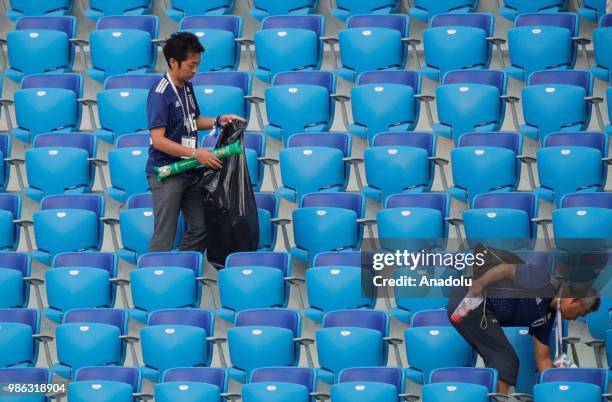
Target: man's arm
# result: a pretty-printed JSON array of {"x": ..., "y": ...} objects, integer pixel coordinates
[
  {"x": 206, "y": 123},
  {"x": 203, "y": 155},
  {"x": 542, "y": 355},
  {"x": 496, "y": 274}
]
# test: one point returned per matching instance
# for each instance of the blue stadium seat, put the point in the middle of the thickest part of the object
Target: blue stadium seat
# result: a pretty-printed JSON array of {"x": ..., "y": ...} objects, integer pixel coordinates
[
  {"x": 598, "y": 200},
  {"x": 219, "y": 35},
  {"x": 542, "y": 42},
  {"x": 353, "y": 338},
  {"x": 522, "y": 343},
  {"x": 47, "y": 103},
  {"x": 15, "y": 280},
  {"x": 277, "y": 384},
  {"x": 41, "y": 45},
  {"x": 589, "y": 223},
  {"x": 10, "y": 221},
  {"x": 63, "y": 163},
  {"x": 399, "y": 163},
  {"x": 569, "y": 163},
  {"x": 298, "y": 102},
  {"x": 513, "y": 8},
  {"x": 177, "y": 338},
  {"x": 23, "y": 8},
  {"x": 342, "y": 258},
  {"x": 166, "y": 280},
  {"x": 484, "y": 163},
  {"x": 267, "y": 213},
  {"x": 254, "y": 280},
  {"x": 372, "y": 42},
  {"x": 6, "y": 145},
  {"x": 369, "y": 384},
  {"x": 288, "y": 43},
  {"x": 602, "y": 40},
  {"x": 461, "y": 384},
  {"x": 136, "y": 226},
  {"x": 68, "y": 222},
  {"x": 90, "y": 337},
  {"x": 101, "y": 8},
  {"x": 432, "y": 343},
  {"x": 556, "y": 101},
  {"x": 26, "y": 375},
  {"x": 134, "y": 140},
  {"x": 347, "y": 8},
  {"x": 425, "y": 10},
  {"x": 19, "y": 337},
  {"x": 594, "y": 376},
  {"x": 457, "y": 42},
  {"x": 609, "y": 126},
  {"x": 192, "y": 384},
  {"x": 265, "y": 8},
  {"x": 487, "y": 377},
  {"x": 105, "y": 383},
  {"x": 326, "y": 222},
  {"x": 384, "y": 101},
  {"x": 470, "y": 101},
  {"x": 265, "y": 338},
  {"x": 566, "y": 391},
  {"x": 123, "y": 44},
  {"x": 122, "y": 105},
  {"x": 126, "y": 165},
  {"x": 80, "y": 280},
  {"x": 592, "y": 10},
  {"x": 184, "y": 8}
]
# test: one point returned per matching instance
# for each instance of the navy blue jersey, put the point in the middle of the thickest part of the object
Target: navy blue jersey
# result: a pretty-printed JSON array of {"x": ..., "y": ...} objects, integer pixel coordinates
[{"x": 164, "y": 110}]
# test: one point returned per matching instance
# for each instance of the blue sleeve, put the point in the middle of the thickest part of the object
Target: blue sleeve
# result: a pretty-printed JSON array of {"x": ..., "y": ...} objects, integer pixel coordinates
[
  {"x": 542, "y": 333},
  {"x": 157, "y": 110}
]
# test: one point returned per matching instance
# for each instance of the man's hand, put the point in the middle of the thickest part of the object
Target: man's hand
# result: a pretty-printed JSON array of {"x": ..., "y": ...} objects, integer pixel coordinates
[
  {"x": 228, "y": 118},
  {"x": 206, "y": 158},
  {"x": 477, "y": 287}
]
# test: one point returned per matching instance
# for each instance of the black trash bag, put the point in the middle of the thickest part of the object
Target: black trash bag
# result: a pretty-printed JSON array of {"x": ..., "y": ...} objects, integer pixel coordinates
[{"x": 229, "y": 202}]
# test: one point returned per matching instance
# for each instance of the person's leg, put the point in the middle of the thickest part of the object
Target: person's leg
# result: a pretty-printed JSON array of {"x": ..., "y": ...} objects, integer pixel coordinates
[
  {"x": 192, "y": 206},
  {"x": 166, "y": 197}
]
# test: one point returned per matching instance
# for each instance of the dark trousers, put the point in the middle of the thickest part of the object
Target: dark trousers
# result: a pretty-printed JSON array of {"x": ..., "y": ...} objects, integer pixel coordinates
[{"x": 180, "y": 193}]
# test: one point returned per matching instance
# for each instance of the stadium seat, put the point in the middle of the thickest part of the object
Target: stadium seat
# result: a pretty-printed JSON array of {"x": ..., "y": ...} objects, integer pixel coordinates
[
  {"x": 486, "y": 377},
  {"x": 122, "y": 105},
  {"x": 63, "y": 163},
  {"x": 566, "y": 391},
  {"x": 267, "y": 214},
  {"x": 484, "y": 163},
  {"x": 19, "y": 338},
  {"x": 589, "y": 223},
  {"x": 80, "y": 280},
  {"x": 10, "y": 222},
  {"x": 220, "y": 37},
  {"x": 298, "y": 102},
  {"x": 254, "y": 280},
  {"x": 342, "y": 258},
  {"x": 177, "y": 338},
  {"x": 90, "y": 337},
  {"x": 543, "y": 42},
  {"x": 101, "y": 8},
  {"x": 462, "y": 384},
  {"x": 433, "y": 343},
  {"x": 399, "y": 163},
  {"x": 371, "y": 42},
  {"x": 23, "y": 8},
  {"x": 522, "y": 342},
  {"x": 369, "y": 384},
  {"x": 118, "y": 384},
  {"x": 557, "y": 101},
  {"x": 126, "y": 165},
  {"x": 277, "y": 384},
  {"x": 123, "y": 44},
  {"x": 136, "y": 227},
  {"x": 69, "y": 222},
  {"x": 26, "y": 375},
  {"x": 353, "y": 338},
  {"x": 6, "y": 145},
  {"x": 458, "y": 42},
  {"x": 266, "y": 8},
  {"x": 602, "y": 40},
  {"x": 166, "y": 280},
  {"x": 184, "y": 8},
  {"x": 569, "y": 163},
  {"x": 384, "y": 101},
  {"x": 48, "y": 103},
  {"x": 15, "y": 280},
  {"x": 265, "y": 338},
  {"x": 594, "y": 376},
  {"x": 470, "y": 101},
  {"x": 425, "y": 10},
  {"x": 41, "y": 45},
  {"x": 192, "y": 384},
  {"x": 345, "y": 9},
  {"x": 135, "y": 140},
  {"x": 326, "y": 222},
  {"x": 288, "y": 43},
  {"x": 592, "y": 10},
  {"x": 609, "y": 126},
  {"x": 513, "y": 8}
]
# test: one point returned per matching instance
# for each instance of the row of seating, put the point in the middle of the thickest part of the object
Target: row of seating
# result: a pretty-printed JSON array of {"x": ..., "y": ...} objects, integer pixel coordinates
[
  {"x": 260, "y": 9},
  {"x": 128, "y": 44}
]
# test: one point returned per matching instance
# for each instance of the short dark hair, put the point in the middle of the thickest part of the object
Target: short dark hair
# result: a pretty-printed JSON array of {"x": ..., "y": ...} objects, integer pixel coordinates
[{"x": 179, "y": 45}]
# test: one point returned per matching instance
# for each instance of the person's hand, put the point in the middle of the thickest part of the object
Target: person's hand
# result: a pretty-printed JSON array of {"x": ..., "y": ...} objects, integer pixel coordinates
[
  {"x": 228, "y": 118},
  {"x": 206, "y": 158},
  {"x": 477, "y": 288}
]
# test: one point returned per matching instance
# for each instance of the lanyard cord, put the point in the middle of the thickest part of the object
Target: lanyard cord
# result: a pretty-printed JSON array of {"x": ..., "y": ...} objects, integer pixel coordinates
[
  {"x": 187, "y": 113},
  {"x": 559, "y": 330}
]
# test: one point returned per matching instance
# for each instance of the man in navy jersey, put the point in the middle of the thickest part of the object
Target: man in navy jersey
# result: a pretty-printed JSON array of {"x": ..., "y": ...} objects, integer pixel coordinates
[{"x": 174, "y": 122}]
